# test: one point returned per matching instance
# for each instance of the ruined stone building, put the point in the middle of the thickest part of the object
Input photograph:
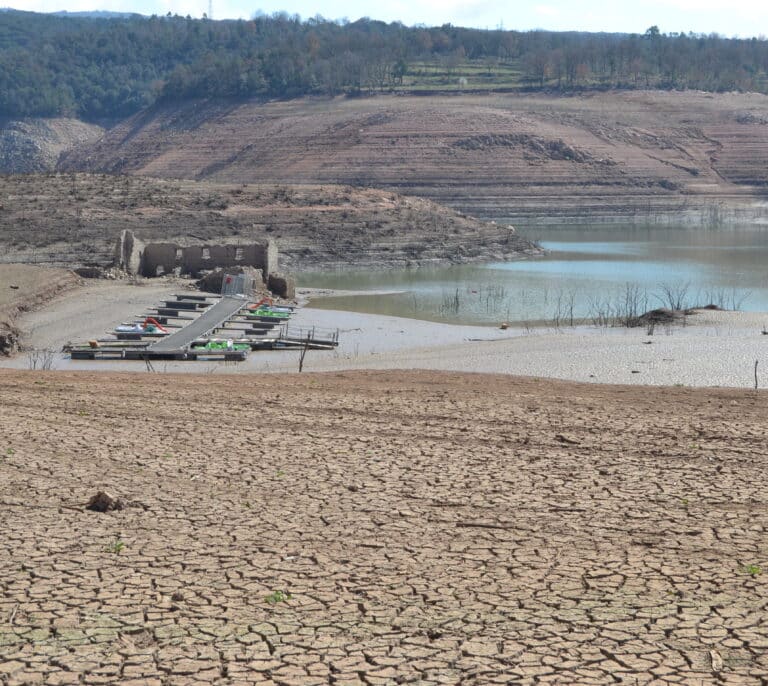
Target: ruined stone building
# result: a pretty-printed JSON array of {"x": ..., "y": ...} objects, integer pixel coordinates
[{"x": 156, "y": 259}]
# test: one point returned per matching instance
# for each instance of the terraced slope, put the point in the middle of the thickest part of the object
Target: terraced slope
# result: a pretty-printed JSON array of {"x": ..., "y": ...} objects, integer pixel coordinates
[{"x": 615, "y": 156}]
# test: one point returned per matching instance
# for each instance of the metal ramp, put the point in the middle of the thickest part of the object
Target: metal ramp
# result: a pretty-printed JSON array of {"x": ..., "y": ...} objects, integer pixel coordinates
[{"x": 209, "y": 320}]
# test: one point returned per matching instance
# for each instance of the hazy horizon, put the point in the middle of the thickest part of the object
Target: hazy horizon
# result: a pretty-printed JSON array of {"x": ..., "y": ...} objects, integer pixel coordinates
[{"x": 737, "y": 18}]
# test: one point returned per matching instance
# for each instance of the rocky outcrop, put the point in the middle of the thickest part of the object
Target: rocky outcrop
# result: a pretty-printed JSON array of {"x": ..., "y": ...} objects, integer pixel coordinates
[
  {"x": 282, "y": 285},
  {"x": 35, "y": 145}
]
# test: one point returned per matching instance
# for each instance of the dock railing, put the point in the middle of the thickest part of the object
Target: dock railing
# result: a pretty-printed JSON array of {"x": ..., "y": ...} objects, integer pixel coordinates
[{"x": 313, "y": 334}]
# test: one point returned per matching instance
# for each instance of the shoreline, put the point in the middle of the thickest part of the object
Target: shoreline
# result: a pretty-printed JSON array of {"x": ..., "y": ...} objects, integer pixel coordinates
[{"x": 711, "y": 348}]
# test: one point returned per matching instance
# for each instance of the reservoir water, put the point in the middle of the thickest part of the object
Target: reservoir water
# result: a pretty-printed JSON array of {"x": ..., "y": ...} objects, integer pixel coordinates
[{"x": 586, "y": 273}]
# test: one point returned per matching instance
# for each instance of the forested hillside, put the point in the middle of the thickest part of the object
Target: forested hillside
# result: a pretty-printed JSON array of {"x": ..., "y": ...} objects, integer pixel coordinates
[{"x": 106, "y": 68}]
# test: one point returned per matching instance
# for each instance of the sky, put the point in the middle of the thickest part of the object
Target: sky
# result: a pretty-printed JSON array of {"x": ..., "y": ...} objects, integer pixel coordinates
[{"x": 745, "y": 18}]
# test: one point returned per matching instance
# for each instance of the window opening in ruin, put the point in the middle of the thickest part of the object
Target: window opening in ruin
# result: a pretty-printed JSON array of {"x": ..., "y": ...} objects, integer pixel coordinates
[
  {"x": 206, "y": 253},
  {"x": 160, "y": 270},
  {"x": 238, "y": 254},
  {"x": 179, "y": 254}
]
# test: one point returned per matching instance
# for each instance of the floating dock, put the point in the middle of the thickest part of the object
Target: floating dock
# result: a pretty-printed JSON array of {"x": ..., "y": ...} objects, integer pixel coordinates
[
  {"x": 210, "y": 319},
  {"x": 198, "y": 326}
]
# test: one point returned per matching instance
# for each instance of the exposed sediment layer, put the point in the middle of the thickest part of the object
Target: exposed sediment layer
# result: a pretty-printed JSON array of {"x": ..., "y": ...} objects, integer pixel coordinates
[
  {"x": 35, "y": 144},
  {"x": 24, "y": 288},
  {"x": 608, "y": 157}
]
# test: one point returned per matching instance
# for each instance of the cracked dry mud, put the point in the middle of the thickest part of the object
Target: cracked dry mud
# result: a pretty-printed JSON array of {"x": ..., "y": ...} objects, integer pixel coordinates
[{"x": 380, "y": 528}]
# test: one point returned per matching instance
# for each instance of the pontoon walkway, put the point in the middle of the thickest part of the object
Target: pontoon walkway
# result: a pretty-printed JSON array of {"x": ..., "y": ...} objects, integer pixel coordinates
[{"x": 209, "y": 320}]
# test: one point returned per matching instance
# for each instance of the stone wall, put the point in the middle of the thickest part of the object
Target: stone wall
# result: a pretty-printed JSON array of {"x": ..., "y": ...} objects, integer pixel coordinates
[
  {"x": 156, "y": 259},
  {"x": 129, "y": 252}
]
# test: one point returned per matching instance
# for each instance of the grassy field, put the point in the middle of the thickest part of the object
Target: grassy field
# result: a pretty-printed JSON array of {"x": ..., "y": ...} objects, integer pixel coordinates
[
  {"x": 468, "y": 75},
  {"x": 451, "y": 73}
]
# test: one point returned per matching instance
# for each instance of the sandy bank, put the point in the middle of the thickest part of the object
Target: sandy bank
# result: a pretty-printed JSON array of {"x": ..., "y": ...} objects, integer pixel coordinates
[{"x": 89, "y": 311}]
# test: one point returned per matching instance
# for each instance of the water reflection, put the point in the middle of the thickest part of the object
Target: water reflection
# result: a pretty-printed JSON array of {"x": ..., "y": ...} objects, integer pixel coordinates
[{"x": 583, "y": 267}]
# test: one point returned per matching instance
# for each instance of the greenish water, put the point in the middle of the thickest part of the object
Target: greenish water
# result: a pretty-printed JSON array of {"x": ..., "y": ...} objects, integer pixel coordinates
[{"x": 586, "y": 272}]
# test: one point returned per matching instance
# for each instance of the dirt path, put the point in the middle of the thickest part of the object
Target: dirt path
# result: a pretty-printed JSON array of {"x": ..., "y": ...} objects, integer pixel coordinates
[{"x": 380, "y": 528}]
